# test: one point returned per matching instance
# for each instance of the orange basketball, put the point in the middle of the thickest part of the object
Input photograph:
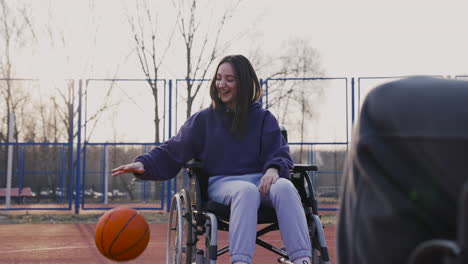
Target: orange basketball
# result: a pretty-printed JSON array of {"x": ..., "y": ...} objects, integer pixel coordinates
[{"x": 122, "y": 234}]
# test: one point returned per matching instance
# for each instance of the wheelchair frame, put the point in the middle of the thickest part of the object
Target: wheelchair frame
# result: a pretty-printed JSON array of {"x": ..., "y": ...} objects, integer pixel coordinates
[
  {"x": 189, "y": 221},
  {"x": 450, "y": 251}
]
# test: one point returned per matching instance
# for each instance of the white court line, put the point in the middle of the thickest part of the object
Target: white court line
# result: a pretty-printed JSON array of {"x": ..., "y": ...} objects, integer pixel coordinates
[
  {"x": 55, "y": 248},
  {"x": 41, "y": 249}
]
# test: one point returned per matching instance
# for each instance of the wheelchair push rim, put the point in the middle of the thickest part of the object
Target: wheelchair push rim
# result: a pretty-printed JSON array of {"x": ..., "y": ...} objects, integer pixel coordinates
[{"x": 179, "y": 237}]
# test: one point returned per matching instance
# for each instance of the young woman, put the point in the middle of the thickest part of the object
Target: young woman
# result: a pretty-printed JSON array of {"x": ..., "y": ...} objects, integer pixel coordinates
[{"x": 245, "y": 156}]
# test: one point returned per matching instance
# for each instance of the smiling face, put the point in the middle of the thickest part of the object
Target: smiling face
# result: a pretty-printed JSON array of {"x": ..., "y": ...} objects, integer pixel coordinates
[{"x": 226, "y": 85}]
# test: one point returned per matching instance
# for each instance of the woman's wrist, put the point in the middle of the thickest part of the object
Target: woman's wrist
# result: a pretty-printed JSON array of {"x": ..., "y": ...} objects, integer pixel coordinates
[{"x": 272, "y": 170}]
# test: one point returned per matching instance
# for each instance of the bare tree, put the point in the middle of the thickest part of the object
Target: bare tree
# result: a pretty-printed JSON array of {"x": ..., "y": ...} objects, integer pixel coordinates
[
  {"x": 297, "y": 60},
  {"x": 202, "y": 47},
  {"x": 151, "y": 51},
  {"x": 57, "y": 108},
  {"x": 54, "y": 110},
  {"x": 15, "y": 30}
]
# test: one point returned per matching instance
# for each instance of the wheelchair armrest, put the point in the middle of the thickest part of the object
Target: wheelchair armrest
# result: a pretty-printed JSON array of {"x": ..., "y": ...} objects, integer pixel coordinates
[
  {"x": 304, "y": 168},
  {"x": 299, "y": 176},
  {"x": 194, "y": 168},
  {"x": 193, "y": 164}
]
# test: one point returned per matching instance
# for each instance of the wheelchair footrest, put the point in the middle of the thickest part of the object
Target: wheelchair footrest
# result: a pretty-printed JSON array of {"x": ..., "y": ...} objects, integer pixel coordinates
[{"x": 213, "y": 252}]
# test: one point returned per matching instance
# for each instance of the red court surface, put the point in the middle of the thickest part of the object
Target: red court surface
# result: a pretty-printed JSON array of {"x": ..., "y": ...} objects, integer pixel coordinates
[{"x": 74, "y": 243}]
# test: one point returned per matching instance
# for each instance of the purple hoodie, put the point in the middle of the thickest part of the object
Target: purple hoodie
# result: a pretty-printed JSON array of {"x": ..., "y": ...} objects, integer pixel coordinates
[{"x": 206, "y": 136}]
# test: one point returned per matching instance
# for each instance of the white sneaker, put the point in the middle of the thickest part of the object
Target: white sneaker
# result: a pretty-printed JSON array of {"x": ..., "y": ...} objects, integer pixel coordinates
[{"x": 304, "y": 260}]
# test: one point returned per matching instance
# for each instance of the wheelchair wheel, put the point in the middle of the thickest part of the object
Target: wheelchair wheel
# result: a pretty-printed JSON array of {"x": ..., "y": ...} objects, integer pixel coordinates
[{"x": 179, "y": 238}]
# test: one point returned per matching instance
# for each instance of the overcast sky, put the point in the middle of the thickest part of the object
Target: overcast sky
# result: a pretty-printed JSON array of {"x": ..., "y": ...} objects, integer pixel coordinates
[
  {"x": 359, "y": 38},
  {"x": 368, "y": 37},
  {"x": 354, "y": 38}
]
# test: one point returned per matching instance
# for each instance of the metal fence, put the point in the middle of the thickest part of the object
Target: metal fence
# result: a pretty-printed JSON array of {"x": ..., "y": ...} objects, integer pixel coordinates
[{"x": 103, "y": 123}]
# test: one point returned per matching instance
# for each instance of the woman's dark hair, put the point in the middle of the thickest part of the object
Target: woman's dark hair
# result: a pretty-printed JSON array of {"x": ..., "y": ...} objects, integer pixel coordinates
[{"x": 248, "y": 91}]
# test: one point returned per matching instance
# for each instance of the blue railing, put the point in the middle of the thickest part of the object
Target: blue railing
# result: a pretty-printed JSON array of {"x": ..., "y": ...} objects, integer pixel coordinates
[{"x": 73, "y": 171}]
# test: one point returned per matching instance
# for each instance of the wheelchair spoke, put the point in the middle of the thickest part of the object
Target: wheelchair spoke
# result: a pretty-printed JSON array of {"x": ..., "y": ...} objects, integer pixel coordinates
[
  {"x": 180, "y": 244},
  {"x": 171, "y": 252}
]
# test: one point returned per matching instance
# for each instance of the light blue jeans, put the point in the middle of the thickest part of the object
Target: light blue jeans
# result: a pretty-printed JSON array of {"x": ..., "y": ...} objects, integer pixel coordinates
[{"x": 242, "y": 193}]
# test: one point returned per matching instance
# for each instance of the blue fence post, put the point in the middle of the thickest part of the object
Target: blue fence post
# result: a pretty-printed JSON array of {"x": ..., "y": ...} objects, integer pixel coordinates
[
  {"x": 145, "y": 191},
  {"x": 163, "y": 187},
  {"x": 70, "y": 145},
  {"x": 84, "y": 152},
  {"x": 352, "y": 102},
  {"x": 168, "y": 185},
  {"x": 169, "y": 132},
  {"x": 145, "y": 183},
  {"x": 20, "y": 167},
  {"x": 83, "y": 180},
  {"x": 164, "y": 107},
  {"x": 78, "y": 153},
  {"x": 261, "y": 92},
  {"x": 103, "y": 173},
  {"x": 62, "y": 172}
]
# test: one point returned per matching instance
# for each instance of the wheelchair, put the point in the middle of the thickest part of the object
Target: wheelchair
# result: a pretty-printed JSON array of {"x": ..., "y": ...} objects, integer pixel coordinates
[
  {"x": 444, "y": 250},
  {"x": 193, "y": 225},
  {"x": 405, "y": 188}
]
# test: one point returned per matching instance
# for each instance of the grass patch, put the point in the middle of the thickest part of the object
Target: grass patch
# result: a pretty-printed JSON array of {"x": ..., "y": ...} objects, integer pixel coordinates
[
  {"x": 70, "y": 218},
  {"x": 152, "y": 218},
  {"x": 52, "y": 219},
  {"x": 328, "y": 219},
  {"x": 328, "y": 200}
]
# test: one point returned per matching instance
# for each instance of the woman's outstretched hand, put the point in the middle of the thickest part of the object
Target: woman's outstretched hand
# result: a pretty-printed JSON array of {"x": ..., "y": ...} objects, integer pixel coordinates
[
  {"x": 135, "y": 167},
  {"x": 270, "y": 177}
]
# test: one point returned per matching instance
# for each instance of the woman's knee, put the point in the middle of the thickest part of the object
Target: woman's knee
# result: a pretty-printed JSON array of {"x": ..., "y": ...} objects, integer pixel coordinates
[
  {"x": 282, "y": 187},
  {"x": 247, "y": 192}
]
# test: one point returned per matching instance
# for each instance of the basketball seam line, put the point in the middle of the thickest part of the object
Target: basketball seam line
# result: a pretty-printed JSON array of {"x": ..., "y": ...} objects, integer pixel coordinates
[
  {"x": 134, "y": 244},
  {"x": 102, "y": 233},
  {"x": 120, "y": 232}
]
